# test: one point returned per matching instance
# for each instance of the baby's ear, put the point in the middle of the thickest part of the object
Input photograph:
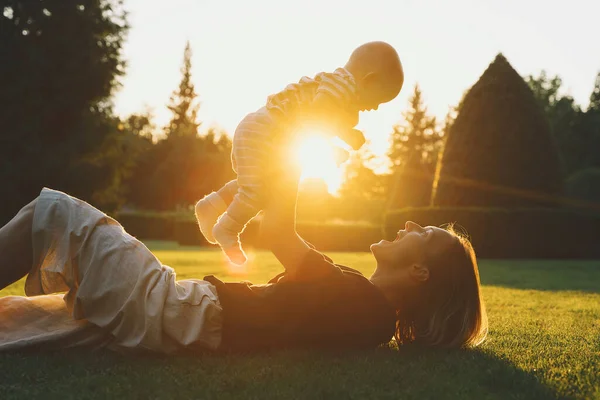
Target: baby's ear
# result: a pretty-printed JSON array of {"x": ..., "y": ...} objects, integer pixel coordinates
[{"x": 370, "y": 78}]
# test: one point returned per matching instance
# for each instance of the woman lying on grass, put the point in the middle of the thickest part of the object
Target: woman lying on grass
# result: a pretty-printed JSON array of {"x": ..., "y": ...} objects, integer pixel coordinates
[{"x": 424, "y": 290}]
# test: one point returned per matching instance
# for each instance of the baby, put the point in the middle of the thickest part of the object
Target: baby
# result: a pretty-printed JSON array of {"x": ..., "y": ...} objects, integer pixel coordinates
[{"x": 329, "y": 102}]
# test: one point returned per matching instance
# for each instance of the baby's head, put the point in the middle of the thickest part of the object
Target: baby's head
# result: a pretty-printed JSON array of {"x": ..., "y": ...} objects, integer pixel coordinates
[{"x": 378, "y": 73}]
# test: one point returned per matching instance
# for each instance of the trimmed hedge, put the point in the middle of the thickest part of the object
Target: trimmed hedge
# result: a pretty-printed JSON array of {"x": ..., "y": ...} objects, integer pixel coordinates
[
  {"x": 513, "y": 233},
  {"x": 499, "y": 151},
  {"x": 326, "y": 237},
  {"x": 148, "y": 226},
  {"x": 585, "y": 185}
]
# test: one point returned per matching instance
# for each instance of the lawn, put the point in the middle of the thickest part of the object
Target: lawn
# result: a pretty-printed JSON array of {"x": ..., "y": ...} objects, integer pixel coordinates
[{"x": 544, "y": 342}]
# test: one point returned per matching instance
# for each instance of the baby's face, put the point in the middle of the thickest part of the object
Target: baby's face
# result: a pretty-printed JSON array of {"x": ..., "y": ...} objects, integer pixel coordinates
[{"x": 373, "y": 90}]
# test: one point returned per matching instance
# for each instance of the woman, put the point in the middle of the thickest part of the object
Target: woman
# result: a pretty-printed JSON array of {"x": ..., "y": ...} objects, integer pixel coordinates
[{"x": 425, "y": 289}]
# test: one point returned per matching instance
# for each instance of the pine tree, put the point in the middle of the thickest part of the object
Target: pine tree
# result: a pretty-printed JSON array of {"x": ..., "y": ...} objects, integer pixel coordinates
[
  {"x": 563, "y": 116},
  {"x": 499, "y": 151},
  {"x": 417, "y": 138},
  {"x": 588, "y": 131},
  {"x": 413, "y": 154},
  {"x": 183, "y": 103},
  {"x": 183, "y": 166},
  {"x": 595, "y": 96}
]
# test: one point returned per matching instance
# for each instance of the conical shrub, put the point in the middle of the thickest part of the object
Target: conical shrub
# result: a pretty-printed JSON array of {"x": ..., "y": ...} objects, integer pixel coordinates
[{"x": 499, "y": 151}]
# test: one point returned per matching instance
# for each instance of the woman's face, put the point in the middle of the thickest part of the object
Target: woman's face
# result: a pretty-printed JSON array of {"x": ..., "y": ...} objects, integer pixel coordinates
[{"x": 402, "y": 261}]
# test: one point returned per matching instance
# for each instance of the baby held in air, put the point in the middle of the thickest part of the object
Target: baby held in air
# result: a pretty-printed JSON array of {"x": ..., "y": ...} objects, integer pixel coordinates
[{"x": 329, "y": 102}]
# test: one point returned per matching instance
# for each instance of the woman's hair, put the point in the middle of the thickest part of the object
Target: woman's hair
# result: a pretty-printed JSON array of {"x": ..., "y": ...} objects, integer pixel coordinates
[{"x": 447, "y": 310}]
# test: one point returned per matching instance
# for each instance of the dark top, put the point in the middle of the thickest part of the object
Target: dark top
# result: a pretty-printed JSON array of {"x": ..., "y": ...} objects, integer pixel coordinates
[{"x": 326, "y": 306}]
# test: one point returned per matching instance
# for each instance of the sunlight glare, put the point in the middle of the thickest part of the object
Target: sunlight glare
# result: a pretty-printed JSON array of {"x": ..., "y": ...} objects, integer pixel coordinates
[
  {"x": 239, "y": 271},
  {"x": 316, "y": 157}
]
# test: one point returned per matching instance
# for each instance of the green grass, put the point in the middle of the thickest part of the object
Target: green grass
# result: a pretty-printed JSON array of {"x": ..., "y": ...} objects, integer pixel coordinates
[{"x": 544, "y": 342}]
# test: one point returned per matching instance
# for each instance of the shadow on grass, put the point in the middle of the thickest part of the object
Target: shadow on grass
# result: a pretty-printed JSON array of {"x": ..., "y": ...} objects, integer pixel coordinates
[
  {"x": 546, "y": 275},
  {"x": 381, "y": 374}
]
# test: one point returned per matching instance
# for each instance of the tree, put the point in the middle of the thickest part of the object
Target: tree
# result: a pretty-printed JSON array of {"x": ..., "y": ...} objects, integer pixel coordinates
[
  {"x": 588, "y": 131},
  {"x": 499, "y": 150},
  {"x": 563, "y": 116},
  {"x": 140, "y": 126},
  {"x": 183, "y": 166},
  {"x": 360, "y": 181},
  {"x": 413, "y": 153},
  {"x": 595, "y": 96},
  {"x": 174, "y": 171},
  {"x": 576, "y": 132},
  {"x": 363, "y": 192},
  {"x": 183, "y": 104},
  {"x": 57, "y": 125},
  {"x": 141, "y": 132},
  {"x": 417, "y": 138}
]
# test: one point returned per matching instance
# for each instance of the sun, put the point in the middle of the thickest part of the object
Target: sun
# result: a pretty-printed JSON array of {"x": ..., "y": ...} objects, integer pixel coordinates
[{"x": 316, "y": 157}]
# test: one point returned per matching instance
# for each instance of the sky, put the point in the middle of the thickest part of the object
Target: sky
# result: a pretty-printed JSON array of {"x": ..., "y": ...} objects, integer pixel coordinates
[{"x": 244, "y": 51}]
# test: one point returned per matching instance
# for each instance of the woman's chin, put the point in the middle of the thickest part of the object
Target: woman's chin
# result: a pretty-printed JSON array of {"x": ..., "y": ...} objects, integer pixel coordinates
[{"x": 375, "y": 246}]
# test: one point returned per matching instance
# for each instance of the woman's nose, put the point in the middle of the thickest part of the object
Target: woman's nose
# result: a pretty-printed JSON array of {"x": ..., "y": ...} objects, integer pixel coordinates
[{"x": 412, "y": 226}]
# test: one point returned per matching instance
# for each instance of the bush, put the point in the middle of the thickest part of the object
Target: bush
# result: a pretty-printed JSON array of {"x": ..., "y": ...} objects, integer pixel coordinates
[
  {"x": 585, "y": 185},
  {"x": 326, "y": 237},
  {"x": 149, "y": 226},
  {"x": 512, "y": 233},
  {"x": 499, "y": 151},
  {"x": 412, "y": 187}
]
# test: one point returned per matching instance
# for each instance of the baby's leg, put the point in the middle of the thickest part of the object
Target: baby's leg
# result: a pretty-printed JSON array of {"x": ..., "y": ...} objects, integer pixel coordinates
[
  {"x": 227, "y": 230},
  {"x": 212, "y": 206},
  {"x": 252, "y": 149},
  {"x": 247, "y": 202}
]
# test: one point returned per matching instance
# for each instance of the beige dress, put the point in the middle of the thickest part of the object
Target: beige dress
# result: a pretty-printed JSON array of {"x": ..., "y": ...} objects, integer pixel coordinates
[{"x": 118, "y": 295}]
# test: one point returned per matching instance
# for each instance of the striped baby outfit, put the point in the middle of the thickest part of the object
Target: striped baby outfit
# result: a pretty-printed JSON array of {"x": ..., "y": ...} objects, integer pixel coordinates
[
  {"x": 253, "y": 142},
  {"x": 339, "y": 86}
]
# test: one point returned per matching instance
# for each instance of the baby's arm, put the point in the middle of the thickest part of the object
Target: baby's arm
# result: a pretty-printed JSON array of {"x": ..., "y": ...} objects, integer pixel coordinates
[
  {"x": 333, "y": 109},
  {"x": 332, "y": 102}
]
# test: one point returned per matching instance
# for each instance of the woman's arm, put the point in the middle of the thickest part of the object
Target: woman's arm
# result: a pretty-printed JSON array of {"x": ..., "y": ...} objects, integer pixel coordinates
[{"x": 278, "y": 226}]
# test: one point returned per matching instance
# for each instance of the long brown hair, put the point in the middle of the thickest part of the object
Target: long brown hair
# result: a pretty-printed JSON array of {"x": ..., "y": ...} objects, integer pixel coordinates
[{"x": 447, "y": 310}]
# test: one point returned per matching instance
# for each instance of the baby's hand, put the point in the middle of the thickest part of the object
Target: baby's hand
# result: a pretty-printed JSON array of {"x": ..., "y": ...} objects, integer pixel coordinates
[
  {"x": 353, "y": 137},
  {"x": 340, "y": 155}
]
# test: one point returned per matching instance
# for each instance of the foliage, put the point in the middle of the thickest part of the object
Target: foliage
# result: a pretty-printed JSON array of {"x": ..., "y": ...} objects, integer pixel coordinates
[
  {"x": 590, "y": 130},
  {"x": 543, "y": 344},
  {"x": 498, "y": 147},
  {"x": 179, "y": 170},
  {"x": 585, "y": 185},
  {"x": 183, "y": 166},
  {"x": 361, "y": 183},
  {"x": 184, "y": 104},
  {"x": 413, "y": 153},
  {"x": 184, "y": 230},
  {"x": 577, "y": 133},
  {"x": 563, "y": 116},
  {"x": 513, "y": 232},
  {"x": 595, "y": 96},
  {"x": 57, "y": 125}
]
